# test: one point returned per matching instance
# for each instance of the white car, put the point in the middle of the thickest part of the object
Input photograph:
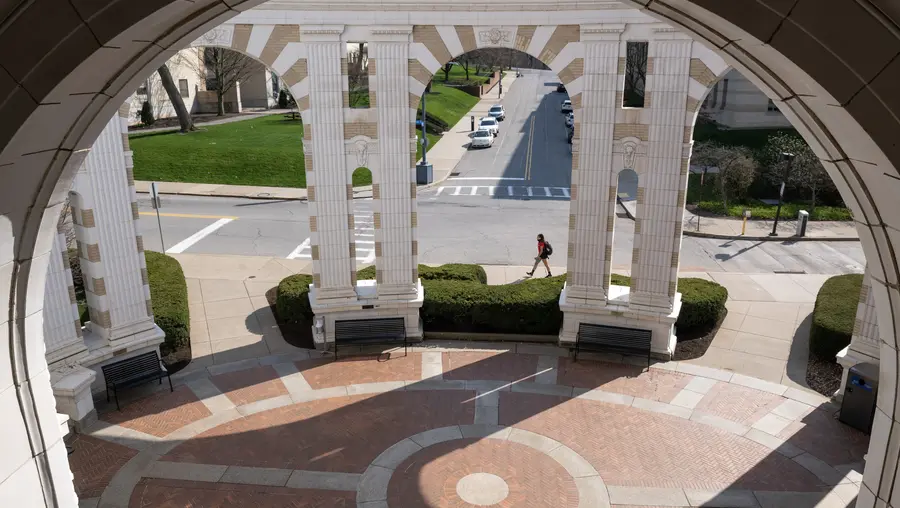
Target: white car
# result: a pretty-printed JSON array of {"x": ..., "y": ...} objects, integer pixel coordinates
[
  {"x": 497, "y": 112},
  {"x": 489, "y": 124},
  {"x": 482, "y": 138},
  {"x": 570, "y": 119},
  {"x": 567, "y": 106}
]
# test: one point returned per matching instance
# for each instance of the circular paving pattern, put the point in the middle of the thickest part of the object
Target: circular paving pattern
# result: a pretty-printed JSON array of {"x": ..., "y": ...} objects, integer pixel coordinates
[{"x": 482, "y": 489}]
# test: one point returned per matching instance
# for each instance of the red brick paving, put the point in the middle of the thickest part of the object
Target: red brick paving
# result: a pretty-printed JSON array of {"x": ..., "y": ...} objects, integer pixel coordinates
[
  {"x": 326, "y": 373},
  {"x": 823, "y": 435},
  {"x": 250, "y": 385},
  {"x": 632, "y": 447},
  {"x": 428, "y": 478},
  {"x": 161, "y": 413},
  {"x": 489, "y": 365},
  {"x": 654, "y": 384},
  {"x": 738, "y": 403},
  {"x": 189, "y": 494},
  {"x": 340, "y": 434},
  {"x": 94, "y": 462}
]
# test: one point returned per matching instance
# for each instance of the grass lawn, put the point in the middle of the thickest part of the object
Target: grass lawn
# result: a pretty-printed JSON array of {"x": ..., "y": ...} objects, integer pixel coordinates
[
  {"x": 458, "y": 75},
  {"x": 448, "y": 104},
  {"x": 760, "y": 210}
]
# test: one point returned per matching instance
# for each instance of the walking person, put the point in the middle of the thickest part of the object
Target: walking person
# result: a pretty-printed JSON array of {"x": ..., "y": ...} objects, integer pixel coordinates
[{"x": 545, "y": 250}]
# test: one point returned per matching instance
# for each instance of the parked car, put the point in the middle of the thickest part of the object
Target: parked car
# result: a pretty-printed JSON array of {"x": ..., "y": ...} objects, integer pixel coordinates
[
  {"x": 567, "y": 106},
  {"x": 482, "y": 138},
  {"x": 489, "y": 124},
  {"x": 497, "y": 112},
  {"x": 569, "y": 136},
  {"x": 560, "y": 88},
  {"x": 570, "y": 119}
]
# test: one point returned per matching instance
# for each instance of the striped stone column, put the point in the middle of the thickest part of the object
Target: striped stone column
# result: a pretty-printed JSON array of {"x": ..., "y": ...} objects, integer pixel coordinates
[
  {"x": 661, "y": 193},
  {"x": 62, "y": 326},
  {"x": 329, "y": 184},
  {"x": 110, "y": 248},
  {"x": 865, "y": 345},
  {"x": 394, "y": 186}
]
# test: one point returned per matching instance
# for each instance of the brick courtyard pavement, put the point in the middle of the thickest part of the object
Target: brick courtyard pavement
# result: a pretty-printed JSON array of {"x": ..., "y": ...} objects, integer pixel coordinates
[{"x": 444, "y": 426}]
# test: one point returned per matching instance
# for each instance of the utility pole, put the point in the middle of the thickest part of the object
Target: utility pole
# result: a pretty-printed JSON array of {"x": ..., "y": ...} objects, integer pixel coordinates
[{"x": 788, "y": 159}]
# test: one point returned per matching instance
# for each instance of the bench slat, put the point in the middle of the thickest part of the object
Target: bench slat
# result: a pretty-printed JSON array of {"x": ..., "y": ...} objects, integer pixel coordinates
[
  {"x": 613, "y": 338},
  {"x": 131, "y": 368}
]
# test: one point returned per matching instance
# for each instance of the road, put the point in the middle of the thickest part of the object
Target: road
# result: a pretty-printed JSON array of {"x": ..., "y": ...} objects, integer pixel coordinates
[{"x": 488, "y": 212}]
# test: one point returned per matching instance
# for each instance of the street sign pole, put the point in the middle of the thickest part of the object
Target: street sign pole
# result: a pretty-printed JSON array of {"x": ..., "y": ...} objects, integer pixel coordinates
[{"x": 154, "y": 200}]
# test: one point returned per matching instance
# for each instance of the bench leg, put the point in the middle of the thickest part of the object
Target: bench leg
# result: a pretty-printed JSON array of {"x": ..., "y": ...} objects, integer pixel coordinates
[
  {"x": 171, "y": 389},
  {"x": 116, "y": 395}
]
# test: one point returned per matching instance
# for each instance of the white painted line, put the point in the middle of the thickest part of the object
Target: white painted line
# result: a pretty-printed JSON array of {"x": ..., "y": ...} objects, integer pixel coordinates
[
  {"x": 366, "y": 241},
  {"x": 497, "y": 178},
  {"x": 439, "y": 191},
  {"x": 474, "y": 191},
  {"x": 370, "y": 258},
  {"x": 547, "y": 192},
  {"x": 365, "y": 235},
  {"x": 530, "y": 191},
  {"x": 456, "y": 191},
  {"x": 491, "y": 190},
  {"x": 565, "y": 192},
  {"x": 185, "y": 244},
  {"x": 298, "y": 251},
  {"x": 509, "y": 191}
]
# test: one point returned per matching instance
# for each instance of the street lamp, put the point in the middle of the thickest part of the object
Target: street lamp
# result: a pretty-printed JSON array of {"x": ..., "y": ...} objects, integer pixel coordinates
[
  {"x": 788, "y": 159},
  {"x": 424, "y": 170}
]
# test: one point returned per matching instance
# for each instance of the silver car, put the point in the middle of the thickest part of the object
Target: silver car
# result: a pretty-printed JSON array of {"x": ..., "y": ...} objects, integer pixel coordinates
[
  {"x": 497, "y": 112},
  {"x": 482, "y": 138},
  {"x": 489, "y": 124}
]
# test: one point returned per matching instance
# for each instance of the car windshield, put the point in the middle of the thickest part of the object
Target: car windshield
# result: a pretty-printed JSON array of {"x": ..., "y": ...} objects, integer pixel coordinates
[
  {"x": 482, "y": 134},
  {"x": 496, "y": 109},
  {"x": 488, "y": 122},
  {"x": 567, "y": 102}
]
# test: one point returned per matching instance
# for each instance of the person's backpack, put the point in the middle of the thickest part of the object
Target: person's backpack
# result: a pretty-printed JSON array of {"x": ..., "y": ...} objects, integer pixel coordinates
[{"x": 548, "y": 248}]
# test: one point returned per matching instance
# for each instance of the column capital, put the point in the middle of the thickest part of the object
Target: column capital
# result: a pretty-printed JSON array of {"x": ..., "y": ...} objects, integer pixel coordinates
[
  {"x": 321, "y": 33},
  {"x": 602, "y": 32},
  {"x": 390, "y": 33}
]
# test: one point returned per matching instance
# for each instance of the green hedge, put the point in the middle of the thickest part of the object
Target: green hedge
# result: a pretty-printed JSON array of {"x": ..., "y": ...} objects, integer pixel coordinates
[
  {"x": 169, "y": 296},
  {"x": 292, "y": 299},
  {"x": 702, "y": 301},
  {"x": 834, "y": 315},
  {"x": 452, "y": 271}
]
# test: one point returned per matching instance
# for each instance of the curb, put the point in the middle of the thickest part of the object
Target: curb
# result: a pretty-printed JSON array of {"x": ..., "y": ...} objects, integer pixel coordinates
[
  {"x": 697, "y": 234},
  {"x": 356, "y": 195}
]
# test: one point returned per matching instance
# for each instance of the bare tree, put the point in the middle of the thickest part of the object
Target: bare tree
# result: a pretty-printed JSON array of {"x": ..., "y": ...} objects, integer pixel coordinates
[
  {"x": 358, "y": 74},
  {"x": 635, "y": 74},
  {"x": 222, "y": 69},
  {"x": 806, "y": 171},
  {"x": 736, "y": 167},
  {"x": 184, "y": 117}
]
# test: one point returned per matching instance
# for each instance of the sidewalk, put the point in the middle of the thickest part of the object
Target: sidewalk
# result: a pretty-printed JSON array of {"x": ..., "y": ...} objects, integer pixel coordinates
[
  {"x": 231, "y": 319},
  {"x": 237, "y": 191},
  {"x": 449, "y": 150},
  {"x": 758, "y": 230},
  {"x": 247, "y": 115}
]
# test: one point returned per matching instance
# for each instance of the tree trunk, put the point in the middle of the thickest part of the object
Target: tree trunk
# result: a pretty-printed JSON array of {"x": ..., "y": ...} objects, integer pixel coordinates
[
  {"x": 467, "y": 70},
  {"x": 721, "y": 180},
  {"x": 184, "y": 118},
  {"x": 812, "y": 207},
  {"x": 220, "y": 103}
]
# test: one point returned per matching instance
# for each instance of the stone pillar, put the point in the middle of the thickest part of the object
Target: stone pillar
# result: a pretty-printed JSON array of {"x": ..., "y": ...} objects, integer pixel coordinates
[
  {"x": 111, "y": 251},
  {"x": 62, "y": 324},
  {"x": 328, "y": 180},
  {"x": 593, "y": 194},
  {"x": 865, "y": 344}
]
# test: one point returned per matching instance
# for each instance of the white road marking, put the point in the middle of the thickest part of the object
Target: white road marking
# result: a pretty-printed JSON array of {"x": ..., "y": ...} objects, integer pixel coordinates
[
  {"x": 509, "y": 191},
  {"x": 185, "y": 244},
  {"x": 498, "y": 178},
  {"x": 547, "y": 191},
  {"x": 439, "y": 191},
  {"x": 298, "y": 252},
  {"x": 474, "y": 191},
  {"x": 491, "y": 190},
  {"x": 530, "y": 193},
  {"x": 369, "y": 242},
  {"x": 565, "y": 192},
  {"x": 456, "y": 191}
]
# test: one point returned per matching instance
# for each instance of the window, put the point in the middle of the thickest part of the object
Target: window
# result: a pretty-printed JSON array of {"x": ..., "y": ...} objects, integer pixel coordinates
[
  {"x": 771, "y": 107},
  {"x": 276, "y": 86},
  {"x": 142, "y": 90},
  {"x": 183, "y": 88},
  {"x": 724, "y": 93},
  {"x": 635, "y": 74},
  {"x": 358, "y": 74}
]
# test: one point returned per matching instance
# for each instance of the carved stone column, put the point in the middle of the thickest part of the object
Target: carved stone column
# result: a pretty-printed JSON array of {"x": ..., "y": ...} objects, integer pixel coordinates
[
  {"x": 62, "y": 325},
  {"x": 865, "y": 345}
]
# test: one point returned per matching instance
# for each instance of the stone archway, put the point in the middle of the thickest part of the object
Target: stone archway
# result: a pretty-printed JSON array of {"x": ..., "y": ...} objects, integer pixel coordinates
[{"x": 61, "y": 84}]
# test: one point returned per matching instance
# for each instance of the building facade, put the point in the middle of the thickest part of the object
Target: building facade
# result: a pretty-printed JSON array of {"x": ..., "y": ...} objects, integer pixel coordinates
[{"x": 735, "y": 102}]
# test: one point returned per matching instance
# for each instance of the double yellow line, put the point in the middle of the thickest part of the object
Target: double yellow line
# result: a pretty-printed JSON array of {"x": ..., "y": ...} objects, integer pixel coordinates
[{"x": 530, "y": 151}]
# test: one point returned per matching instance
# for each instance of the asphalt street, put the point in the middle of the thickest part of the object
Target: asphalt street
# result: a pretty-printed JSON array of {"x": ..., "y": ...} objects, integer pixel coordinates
[{"x": 488, "y": 212}]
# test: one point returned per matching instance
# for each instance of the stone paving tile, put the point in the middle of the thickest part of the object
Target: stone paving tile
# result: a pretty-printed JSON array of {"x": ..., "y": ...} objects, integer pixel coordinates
[
  {"x": 326, "y": 373},
  {"x": 342, "y": 434},
  {"x": 94, "y": 462},
  {"x": 630, "y": 447},
  {"x": 827, "y": 438},
  {"x": 172, "y": 493},
  {"x": 738, "y": 403},
  {"x": 429, "y": 477},
  {"x": 250, "y": 385},
  {"x": 489, "y": 365},
  {"x": 654, "y": 384},
  {"x": 161, "y": 413}
]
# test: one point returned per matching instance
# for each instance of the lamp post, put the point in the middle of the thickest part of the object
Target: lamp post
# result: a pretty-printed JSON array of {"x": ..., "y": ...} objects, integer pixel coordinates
[
  {"x": 788, "y": 159},
  {"x": 424, "y": 170}
]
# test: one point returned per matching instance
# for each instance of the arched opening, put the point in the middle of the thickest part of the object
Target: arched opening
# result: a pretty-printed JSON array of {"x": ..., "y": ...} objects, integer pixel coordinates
[{"x": 841, "y": 141}]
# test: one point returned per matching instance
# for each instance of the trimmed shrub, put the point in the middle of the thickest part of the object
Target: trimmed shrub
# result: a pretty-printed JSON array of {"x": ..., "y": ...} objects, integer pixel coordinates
[
  {"x": 146, "y": 114},
  {"x": 282, "y": 99},
  {"x": 702, "y": 301},
  {"x": 834, "y": 315},
  {"x": 292, "y": 299},
  {"x": 169, "y": 297},
  {"x": 452, "y": 271}
]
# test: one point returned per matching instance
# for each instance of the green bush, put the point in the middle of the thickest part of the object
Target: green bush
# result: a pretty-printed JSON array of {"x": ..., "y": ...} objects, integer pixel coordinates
[
  {"x": 292, "y": 299},
  {"x": 146, "y": 114},
  {"x": 702, "y": 301},
  {"x": 169, "y": 296},
  {"x": 452, "y": 271},
  {"x": 834, "y": 315},
  {"x": 760, "y": 210}
]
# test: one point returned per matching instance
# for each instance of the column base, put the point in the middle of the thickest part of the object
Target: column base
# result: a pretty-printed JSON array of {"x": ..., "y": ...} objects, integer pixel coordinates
[
  {"x": 102, "y": 352},
  {"x": 848, "y": 358},
  {"x": 367, "y": 306},
  {"x": 616, "y": 312},
  {"x": 72, "y": 390}
]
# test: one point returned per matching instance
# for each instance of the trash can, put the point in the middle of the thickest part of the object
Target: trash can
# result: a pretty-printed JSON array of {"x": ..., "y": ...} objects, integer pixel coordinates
[
  {"x": 802, "y": 221},
  {"x": 858, "y": 405},
  {"x": 424, "y": 173}
]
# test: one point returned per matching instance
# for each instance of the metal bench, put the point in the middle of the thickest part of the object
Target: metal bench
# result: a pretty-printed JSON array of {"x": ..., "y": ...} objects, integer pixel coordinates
[
  {"x": 134, "y": 371},
  {"x": 613, "y": 339},
  {"x": 370, "y": 332}
]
